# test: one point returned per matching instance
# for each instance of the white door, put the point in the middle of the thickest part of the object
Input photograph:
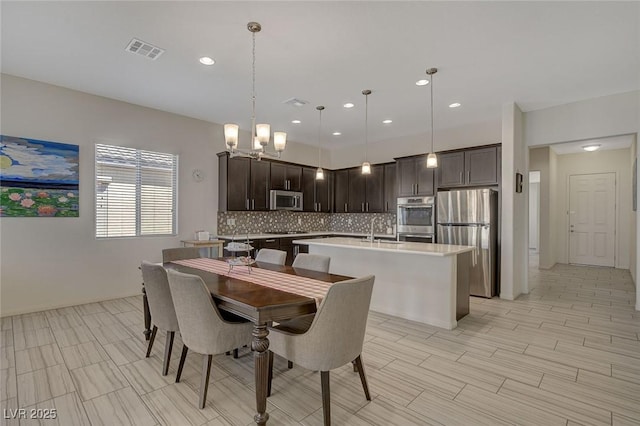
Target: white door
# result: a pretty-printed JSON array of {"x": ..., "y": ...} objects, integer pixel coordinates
[{"x": 592, "y": 224}]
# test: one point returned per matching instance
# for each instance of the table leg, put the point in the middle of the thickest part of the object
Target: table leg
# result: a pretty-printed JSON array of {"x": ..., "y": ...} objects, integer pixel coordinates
[
  {"x": 147, "y": 315},
  {"x": 260, "y": 346}
]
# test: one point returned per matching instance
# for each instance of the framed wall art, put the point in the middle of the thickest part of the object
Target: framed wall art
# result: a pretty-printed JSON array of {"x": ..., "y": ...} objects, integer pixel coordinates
[{"x": 38, "y": 178}]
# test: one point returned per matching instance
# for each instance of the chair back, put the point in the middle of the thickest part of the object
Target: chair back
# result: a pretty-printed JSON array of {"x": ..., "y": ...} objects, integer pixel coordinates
[
  {"x": 156, "y": 287},
  {"x": 180, "y": 253},
  {"x": 313, "y": 262},
  {"x": 336, "y": 335},
  {"x": 266, "y": 255},
  {"x": 202, "y": 328}
]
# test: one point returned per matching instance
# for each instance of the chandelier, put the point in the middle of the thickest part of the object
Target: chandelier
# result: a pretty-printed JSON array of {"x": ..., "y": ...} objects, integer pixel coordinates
[{"x": 260, "y": 133}]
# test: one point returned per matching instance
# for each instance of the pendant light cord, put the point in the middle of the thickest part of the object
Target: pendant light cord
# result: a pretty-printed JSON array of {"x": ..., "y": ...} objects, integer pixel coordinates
[
  {"x": 366, "y": 127},
  {"x": 320, "y": 141}
]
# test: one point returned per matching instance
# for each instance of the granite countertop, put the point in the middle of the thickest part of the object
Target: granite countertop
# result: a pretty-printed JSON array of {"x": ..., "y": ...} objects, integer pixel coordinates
[
  {"x": 394, "y": 247},
  {"x": 240, "y": 237}
]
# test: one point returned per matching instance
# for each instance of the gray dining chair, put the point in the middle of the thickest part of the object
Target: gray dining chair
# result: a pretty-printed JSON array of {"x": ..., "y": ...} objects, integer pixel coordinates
[
  {"x": 266, "y": 255},
  {"x": 163, "y": 314},
  {"x": 335, "y": 337},
  {"x": 314, "y": 262},
  {"x": 202, "y": 328},
  {"x": 180, "y": 253}
]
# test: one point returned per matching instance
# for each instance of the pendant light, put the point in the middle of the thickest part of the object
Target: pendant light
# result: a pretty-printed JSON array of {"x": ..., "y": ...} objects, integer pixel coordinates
[
  {"x": 366, "y": 167},
  {"x": 319, "y": 171},
  {"x": 260, "y": 133},
  {"x": 432, "y": 159}
]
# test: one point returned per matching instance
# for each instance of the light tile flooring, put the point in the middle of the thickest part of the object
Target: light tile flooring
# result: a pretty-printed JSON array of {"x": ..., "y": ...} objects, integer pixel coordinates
[{"x": 568, "y": 354}]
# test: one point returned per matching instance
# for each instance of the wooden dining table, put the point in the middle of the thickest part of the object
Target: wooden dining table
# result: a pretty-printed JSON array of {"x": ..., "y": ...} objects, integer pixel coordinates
[{"x": 260, "y": 305}]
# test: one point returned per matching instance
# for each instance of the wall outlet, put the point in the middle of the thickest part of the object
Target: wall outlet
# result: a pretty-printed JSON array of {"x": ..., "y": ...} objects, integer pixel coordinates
[
  {"x": 231, "y": 222},
  {"x": 389, "y": 230},
  {"x": 299, "y": 221}
]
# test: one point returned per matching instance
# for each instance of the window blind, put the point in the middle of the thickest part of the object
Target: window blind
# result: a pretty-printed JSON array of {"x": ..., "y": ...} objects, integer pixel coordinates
[{"x": 136, "y": 192}]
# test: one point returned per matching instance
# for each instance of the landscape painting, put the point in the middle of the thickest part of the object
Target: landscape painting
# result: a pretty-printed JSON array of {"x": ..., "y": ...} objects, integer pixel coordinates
[{"x": 38, "y": 178}]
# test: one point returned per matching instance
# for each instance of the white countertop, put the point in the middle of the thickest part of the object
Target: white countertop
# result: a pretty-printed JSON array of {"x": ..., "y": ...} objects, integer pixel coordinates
[
  {"x": 393, "y": 247},
  {"x": 241, "y": 237}
]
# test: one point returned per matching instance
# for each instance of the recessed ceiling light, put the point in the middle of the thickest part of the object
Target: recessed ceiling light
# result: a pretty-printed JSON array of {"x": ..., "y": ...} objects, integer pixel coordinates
[
  {"x": 591, "y": 147},
  {"x": 296, "y": 121},
  {"x": 205, "y": 60},
  {"x": 454, "y": 105},
  {"x": 422, "y": 82},
  {"x": 348, "y": 105},
  {"x": 336, "y": 133},
  {"x": 387, "y": 121}
]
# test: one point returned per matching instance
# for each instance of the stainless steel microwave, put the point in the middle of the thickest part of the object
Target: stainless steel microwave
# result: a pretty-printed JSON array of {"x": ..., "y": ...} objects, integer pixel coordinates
[{"x": 285, "y": 200}]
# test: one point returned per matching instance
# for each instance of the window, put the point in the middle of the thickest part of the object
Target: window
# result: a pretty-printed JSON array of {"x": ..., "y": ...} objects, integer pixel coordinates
[{"x": 136, "y": 192}]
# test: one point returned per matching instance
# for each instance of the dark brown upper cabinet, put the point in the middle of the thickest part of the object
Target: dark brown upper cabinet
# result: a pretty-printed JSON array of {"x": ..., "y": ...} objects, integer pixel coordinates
[
  {"x": 286, "y": 177},
  {"x": 413, "y": 177},
  {"x": 243, "y": 183},
  {"x": 470, "y": 167},
  {"x": 341, "y": 192},
  {"x": 366, "y": 192},
  {"x": 390, "y": 188},
  {"x": 316, "y": 193}
]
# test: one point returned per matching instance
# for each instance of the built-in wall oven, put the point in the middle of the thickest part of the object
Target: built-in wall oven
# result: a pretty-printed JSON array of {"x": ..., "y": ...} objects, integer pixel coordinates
[{"x": 416, "y": 219}]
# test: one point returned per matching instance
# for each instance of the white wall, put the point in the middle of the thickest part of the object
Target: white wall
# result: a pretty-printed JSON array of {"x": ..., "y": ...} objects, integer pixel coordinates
[
  {"x": 616, "y": 161},
  {"x": 539, "y": 159},
  {"x": 53, "y": 262},
  {"x": 445, "y": 139},
  {"x": 634, "y": 217},
  {"x": 534, "y": 215},
  {"x": 513, "y": 250},
  {"x": 593, "y": 118}
]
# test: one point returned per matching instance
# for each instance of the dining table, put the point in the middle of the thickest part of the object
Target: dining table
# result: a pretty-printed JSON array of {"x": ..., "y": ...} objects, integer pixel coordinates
[{"x": 244, "y": 295}]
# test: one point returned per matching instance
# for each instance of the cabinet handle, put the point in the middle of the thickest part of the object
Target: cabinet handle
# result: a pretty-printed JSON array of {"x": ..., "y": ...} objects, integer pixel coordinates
[
  {"x": 468, "y": 176},
  {"x": 345, "y": 208},
  {"x": 362, "y": 207},
  {"x": 253, "y": 204},
  {"x": 319, "y": 207},
  {"x": 367, "y": 206},
  {"x": 416, "y": 189},
  {"x": 270, "y": 241},
  {"x": 386, "y": 206},
  {"x": 461, "y": 179},
  {"x": 246, "y": 204}
]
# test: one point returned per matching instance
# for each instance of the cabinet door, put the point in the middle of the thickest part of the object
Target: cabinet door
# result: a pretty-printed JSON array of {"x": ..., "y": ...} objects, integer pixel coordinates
[
  {"x": 260, "y": 175},
  {"x": 451, "y": 170},
  {"x": 357, "y": 191},
  {"x": 406, "y": 177},
  {"x": 481, "y": 166},
  {"x": 374, "y": 202},
  {"x": 425, "y": 177},
  {"x": 278, "y": 176},
  {"x": 390, "y": 188},
  {"x": 238, "y": 172},
  {"x": 294, "y": 178},
  {"x": 341, "y": 191},
  {"x": 308, "y": 189},
  {"x": 322, "y": 192}
]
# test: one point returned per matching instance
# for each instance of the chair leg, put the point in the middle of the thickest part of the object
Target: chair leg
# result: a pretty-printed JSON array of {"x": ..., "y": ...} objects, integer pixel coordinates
[
  {"x": 151, "y": 339},
  {"x": 270, "y": 377},
  {"x": 235, "y": 353},
  {"x": 204, "y": 382},
  {"x": 355, "y": 367},
  {"x": 363, "y": 377},
  {"x": 326, "y": 398},
  {"x": 167, "y": 352},
  {"x": 183, "y": 358},
  {"x": 289, "y": 364}
]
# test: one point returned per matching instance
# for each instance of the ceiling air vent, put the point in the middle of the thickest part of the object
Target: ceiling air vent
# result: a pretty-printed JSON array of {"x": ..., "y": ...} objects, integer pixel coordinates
[
  {"x": 295, "y": 102},
  {"x": 145, "y": 49}
]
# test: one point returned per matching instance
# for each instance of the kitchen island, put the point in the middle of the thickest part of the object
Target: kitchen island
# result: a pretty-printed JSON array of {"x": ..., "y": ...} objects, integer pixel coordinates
[{"x": 427, "y": 283}]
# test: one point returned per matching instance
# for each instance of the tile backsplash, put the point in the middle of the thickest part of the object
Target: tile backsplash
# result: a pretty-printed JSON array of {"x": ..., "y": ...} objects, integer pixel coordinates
[{"x": 258, "y": 222}]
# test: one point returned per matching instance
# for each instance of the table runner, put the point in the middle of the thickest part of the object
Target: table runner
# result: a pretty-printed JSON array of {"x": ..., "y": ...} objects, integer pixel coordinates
[{"x": 301, "y": 286}]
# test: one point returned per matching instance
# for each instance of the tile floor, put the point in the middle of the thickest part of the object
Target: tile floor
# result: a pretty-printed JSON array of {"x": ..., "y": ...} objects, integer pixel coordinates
[{"x": 568, "y": 354}]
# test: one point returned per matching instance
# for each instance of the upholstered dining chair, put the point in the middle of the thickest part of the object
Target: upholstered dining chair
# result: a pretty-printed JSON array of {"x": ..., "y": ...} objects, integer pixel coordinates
[
  {"x": 314, "y": 262},
  {"x": 334, "y": 338},
  {"x": 266, "y": 255},
  {"x": 163, "y": 314},
  {"x": 180, "y": 253},
  {"x": 202, "y": 328}
]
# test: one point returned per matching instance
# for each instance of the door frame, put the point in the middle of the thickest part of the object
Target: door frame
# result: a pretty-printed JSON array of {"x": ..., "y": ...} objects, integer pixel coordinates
[{"x": 615, "y": 216}]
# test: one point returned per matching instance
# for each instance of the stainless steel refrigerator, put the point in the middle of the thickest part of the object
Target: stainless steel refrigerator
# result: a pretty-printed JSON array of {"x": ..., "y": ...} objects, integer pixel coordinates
[{"x": 470, "y": 218}]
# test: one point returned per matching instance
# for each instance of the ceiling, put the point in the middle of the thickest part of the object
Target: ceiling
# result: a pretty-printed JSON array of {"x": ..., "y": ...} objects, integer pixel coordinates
[
  {"x": 606, "y": 144},
  {"x": 538, "y": 54}
]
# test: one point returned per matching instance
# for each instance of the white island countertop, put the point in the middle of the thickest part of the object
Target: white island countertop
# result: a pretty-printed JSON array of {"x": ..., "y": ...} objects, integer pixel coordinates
[{"x": 394, "y": 246}]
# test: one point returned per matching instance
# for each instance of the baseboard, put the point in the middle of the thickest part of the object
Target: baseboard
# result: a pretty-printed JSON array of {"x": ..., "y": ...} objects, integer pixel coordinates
[{"x": 66, "y": 305}]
